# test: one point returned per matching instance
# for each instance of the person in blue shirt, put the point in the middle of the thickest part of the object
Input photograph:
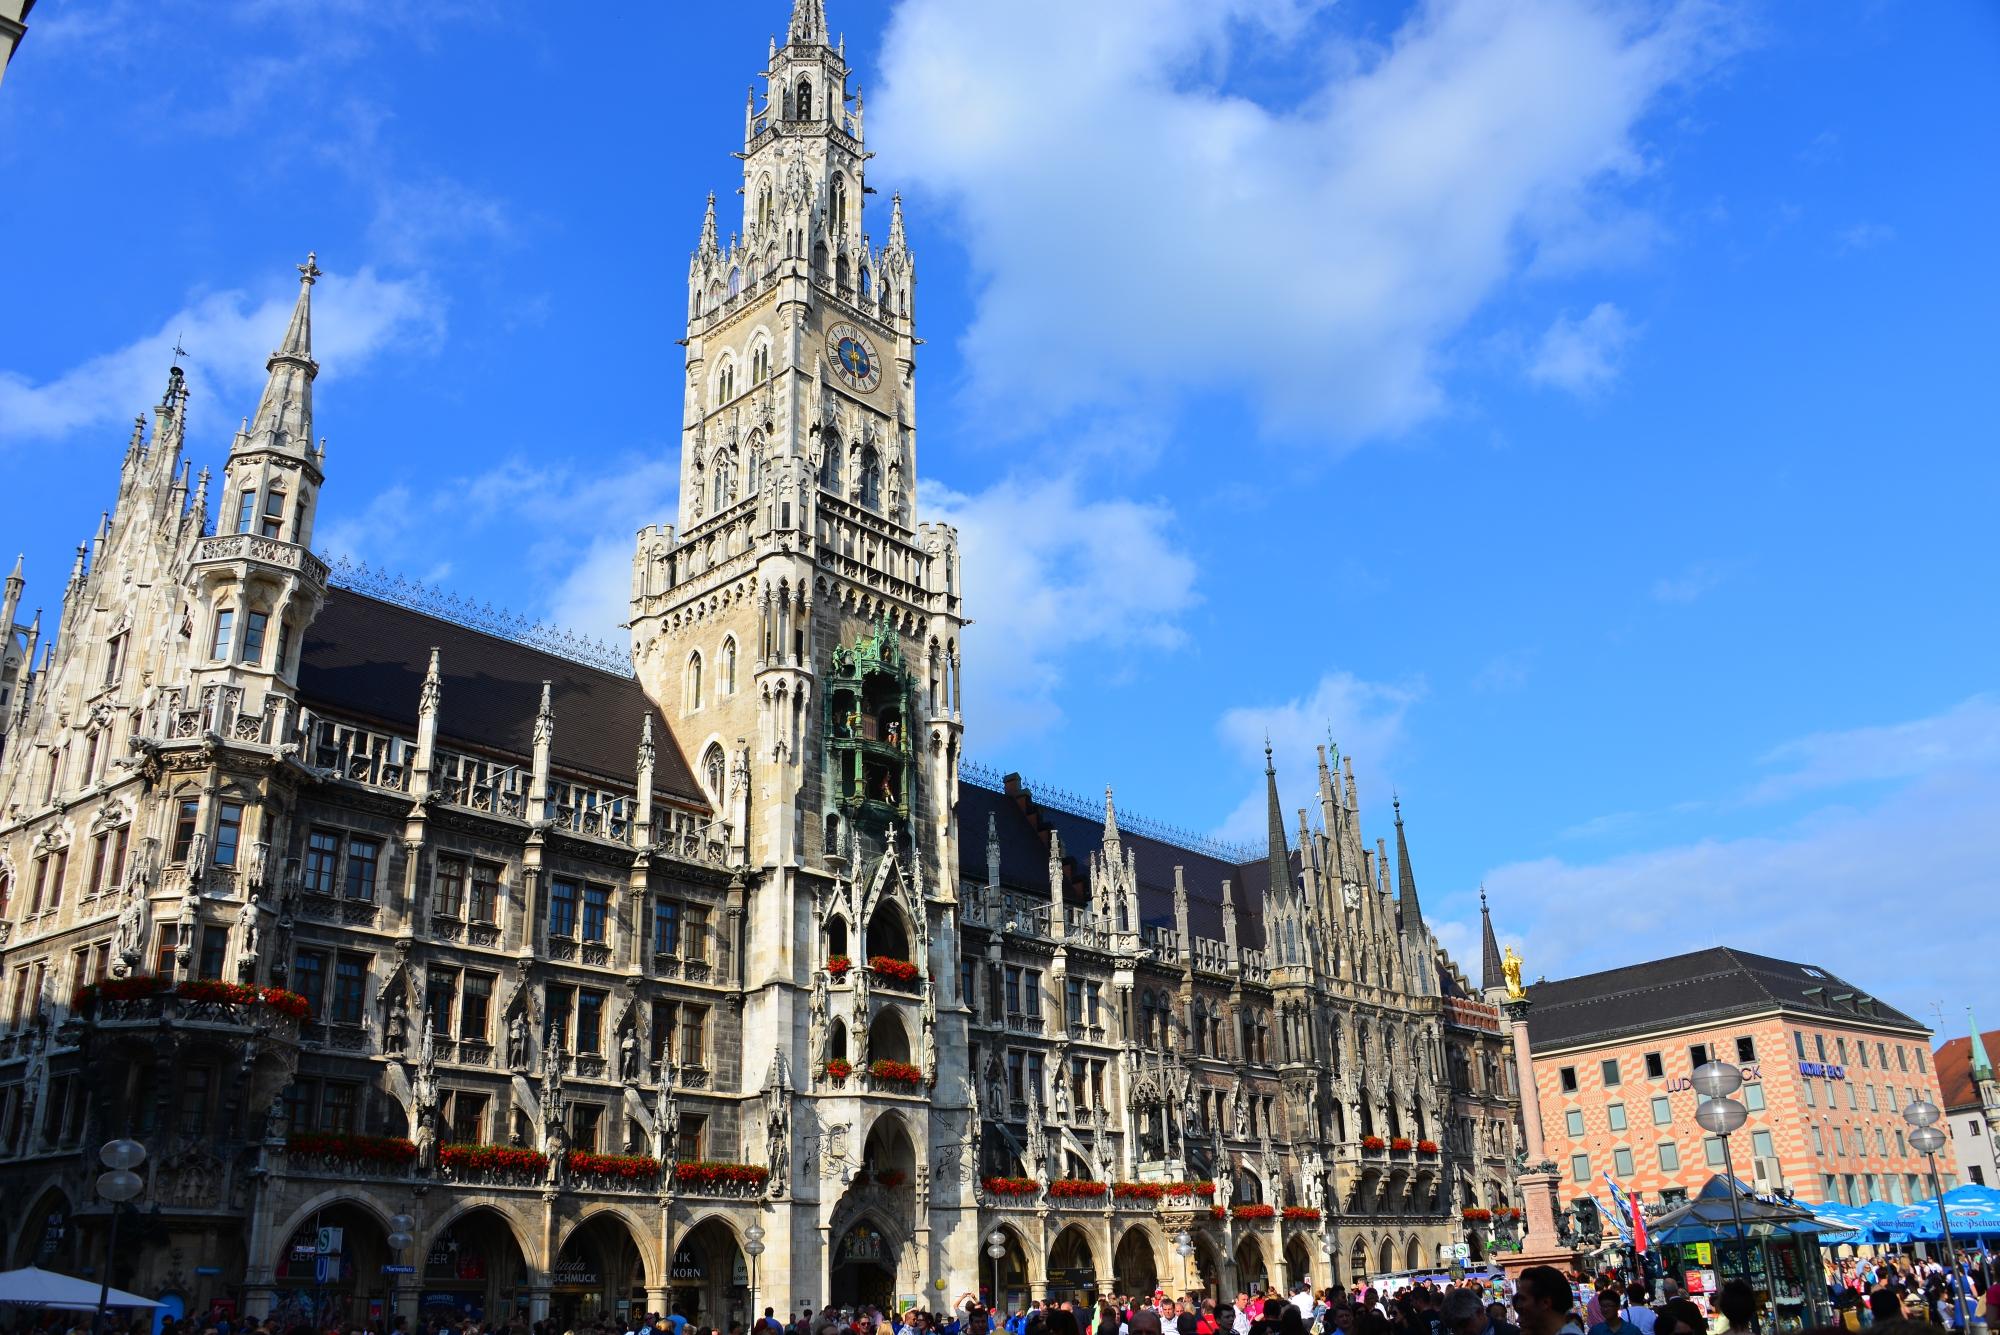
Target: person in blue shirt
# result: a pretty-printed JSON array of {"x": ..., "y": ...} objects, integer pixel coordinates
[{"x": 1612, "y": 1304}]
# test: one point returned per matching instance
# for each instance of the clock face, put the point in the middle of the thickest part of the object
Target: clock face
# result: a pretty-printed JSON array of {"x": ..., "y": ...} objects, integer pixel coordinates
[{"x": 854, "y": 358}]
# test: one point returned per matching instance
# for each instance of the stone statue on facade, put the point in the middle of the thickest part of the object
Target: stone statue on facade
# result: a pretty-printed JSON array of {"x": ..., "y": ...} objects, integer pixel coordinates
[
  {"x": 666, "y": 1123},
  {"x": 1224, "y": 1184},
  {"x": 1240, "y": 1104},
  {"x": 1315, "y": 1180},
  {"x": 134, "y": 925},
  {"x": 1062, "y": 1094},
  {"x": 817, "y": 1029},
  {"x": 929, "y": 1044},
  {"x": 778, "y": 1140},
  {"x": 396, "y": 1025},
  {"x": 628, "y": 1056},
  {"x": 517, "y": 1041}
]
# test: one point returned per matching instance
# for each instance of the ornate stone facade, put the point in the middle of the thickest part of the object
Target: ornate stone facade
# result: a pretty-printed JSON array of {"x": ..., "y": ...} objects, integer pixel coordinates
[{"x": 350, "y": 910}]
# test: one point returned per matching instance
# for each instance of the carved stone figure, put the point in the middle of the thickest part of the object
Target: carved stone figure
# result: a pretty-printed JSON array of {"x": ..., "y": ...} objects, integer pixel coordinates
[
  {"x": 816, "y": 1052},
  {"x": 1241, "y": 1103},
  {"x": 666, "y": 1124},
  {"x": 628, "y": 1057},
  {"x": 134, "y": 925},
  {"x": 275, "y": 1118},
  {"x": 1224, "y": 1184},
  {"x": 996, "y": 1084},
  {"x": 426, "y": 1141},
  {"x": 778, "y": 1142},
  {"x": 1315, "y": 1181},
  {"x": 396, "y": 1027},
  {"x": 517, "y": 1041}
]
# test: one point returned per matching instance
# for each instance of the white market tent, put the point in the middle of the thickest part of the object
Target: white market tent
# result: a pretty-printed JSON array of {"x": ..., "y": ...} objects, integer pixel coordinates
[{"x": 32, "y": 1287}]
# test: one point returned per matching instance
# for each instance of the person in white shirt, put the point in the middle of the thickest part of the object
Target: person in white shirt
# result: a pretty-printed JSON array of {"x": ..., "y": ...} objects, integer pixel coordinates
[{"x": 1637, "y": 1312}]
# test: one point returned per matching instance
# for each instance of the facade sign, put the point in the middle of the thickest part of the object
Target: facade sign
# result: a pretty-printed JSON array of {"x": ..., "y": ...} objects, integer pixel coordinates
[
  {"x": 687, "y": 1266},
  {"x": 1751, "y": 1075},
  {"x": 1825, "y": 1070}
]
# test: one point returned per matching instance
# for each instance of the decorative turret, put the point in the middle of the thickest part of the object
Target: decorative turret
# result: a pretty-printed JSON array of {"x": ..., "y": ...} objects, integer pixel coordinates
[
  {"x": 1492, "y": 972},
  {"x": 808, "y": 23},
  {"x": 284, "y": 421},
  {"x": 1409, "y": 915},
  {"x": 1276, "y": 854}
]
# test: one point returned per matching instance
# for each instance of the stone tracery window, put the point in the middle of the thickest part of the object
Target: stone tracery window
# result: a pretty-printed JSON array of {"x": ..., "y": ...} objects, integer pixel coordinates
[{"x": 714, "y": 770}]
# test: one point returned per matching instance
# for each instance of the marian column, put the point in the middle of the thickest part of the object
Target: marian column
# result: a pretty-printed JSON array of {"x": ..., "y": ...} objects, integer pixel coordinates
[{"x": 1542, "y": 1244}]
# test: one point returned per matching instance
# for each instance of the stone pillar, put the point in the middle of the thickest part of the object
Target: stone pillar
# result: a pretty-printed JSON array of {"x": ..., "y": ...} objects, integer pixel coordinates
[
  {"x": 538, "y": 1299},
  {"x": 257, "y": 1299},
  {"x": 659, "y": 1300},
  {"x": 1542, "y": 1242}
]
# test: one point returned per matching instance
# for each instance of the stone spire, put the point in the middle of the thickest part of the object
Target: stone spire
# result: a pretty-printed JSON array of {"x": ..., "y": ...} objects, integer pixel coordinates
[
  {"x": 710, "y": 246},
  {"x": 1410, "y": 916},
  {"x": 897, "y": 239},
  {"x": 647, "y": 757},
  {"x": 1280, "y": 860},
  {"x": 1982, "y": 1065},
  {"x": 808, "y": 23},
  {"x": 284, "y": 419},
  {"x": 1110, "y": 818},
  {"x": 1491, "y": 974}
]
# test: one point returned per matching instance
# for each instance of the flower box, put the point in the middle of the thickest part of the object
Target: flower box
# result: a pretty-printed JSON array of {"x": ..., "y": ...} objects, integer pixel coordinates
[
  {"x": 1373, "y": 1143},
  {"x": 626, "y": 1167},
  {"x": 209, "y": 990},
  {"x": 1255, "y": 1212},
  {"x": 838, "y": 965},
  {"x": 1301, "y": 1214},
  {"x": 1427, "y": 1147},
  {"x": 839, "y": 1068},
  {"x": 493, "y": 1159},
  {"x": 1477, "y": 1214},
  {"x": 891, "y": 969},
  {"x": 1012, "y": 1186},
  {"x": 711, "y": 1173},
  {"x": 895, "y": 1072},
  {"x": 1509, "y": 1213},
  {"x": 1072, "y": 1188},
  {"x": 1138, "y": 1191},
  {"x": 1217, "y": 1212},
  {"x": 388, "y": 1151},
  {"x": 1400, "y": 1143}
]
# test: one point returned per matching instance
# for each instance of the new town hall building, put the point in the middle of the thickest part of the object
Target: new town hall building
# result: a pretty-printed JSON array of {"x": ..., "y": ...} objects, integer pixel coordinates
[{"x": 652, "y": 984}]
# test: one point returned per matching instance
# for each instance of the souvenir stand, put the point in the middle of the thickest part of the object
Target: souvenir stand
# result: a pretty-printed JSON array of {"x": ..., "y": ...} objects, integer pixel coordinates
[{"x": 1776, "y": 1251}]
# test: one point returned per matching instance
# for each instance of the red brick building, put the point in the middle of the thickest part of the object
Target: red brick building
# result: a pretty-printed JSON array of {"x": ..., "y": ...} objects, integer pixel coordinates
[{"x": 1827, "y": 1068}]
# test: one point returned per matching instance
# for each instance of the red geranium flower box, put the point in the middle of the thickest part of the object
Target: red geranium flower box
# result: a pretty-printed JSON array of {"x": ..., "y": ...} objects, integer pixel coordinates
[
  {"x": 1400, "y": 1143},
  {"x": 838, "y": 965},
  {"x": 392, "y": 1150},
  {"x": 213, "y": 990},
  {"x": 1255, "y": 1212},
  {"x": 1074, "y": 1188},
  {"x": 1301, "y": 1214},
  {"x": 893, "y": 969},
  {"x": 703, "y": 1172},
  {"x": 1373, "y": 1143},
  {"x": 1011, "y": 1186},
  {"x": 895, "y": 1072},
  {"x": 1427, "y": 1147},
  {"x": 493, "y": 1158},
  {"x": 839, "y": 1068},
  {"x": 627, "y": 1167},
  {"x": 1478, "y": 1214},
  {"x": 1138, "y": 1191}
]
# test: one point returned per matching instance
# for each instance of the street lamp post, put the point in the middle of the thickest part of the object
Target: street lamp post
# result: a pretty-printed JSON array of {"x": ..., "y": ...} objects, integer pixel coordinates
[
  {"x": 996, "y": 1247},
  {"x": 118, "y": 1184},
  {"x": 1720, "y": 1115},
  {"x": 1184, "y": 1248},
  {"x": 753, "y": 1246},
  {"x": 1927, "y": 1140},
  {"x": 399, "y": 1240}
]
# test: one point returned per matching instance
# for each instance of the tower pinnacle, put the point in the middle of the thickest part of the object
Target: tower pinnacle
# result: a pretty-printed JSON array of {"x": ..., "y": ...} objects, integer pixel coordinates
[
  {"x": 1491, "y": 972},
  {"x": 1407, "y": 909},
  {"x": 808, "y": 23},
  {"x": 283, "y": 420},
  {"x": 1280, "y": 859},
  {"x": 1982, "y": 1065}
]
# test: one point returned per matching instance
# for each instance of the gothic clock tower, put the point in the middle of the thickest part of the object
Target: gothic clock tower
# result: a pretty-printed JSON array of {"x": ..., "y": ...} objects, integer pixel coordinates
[{"x": 800, "y": 630}]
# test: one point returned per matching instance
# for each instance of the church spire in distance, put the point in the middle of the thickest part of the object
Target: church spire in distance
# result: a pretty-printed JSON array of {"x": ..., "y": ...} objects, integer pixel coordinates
[
  {"x": 1280, "y": 859},
  {"x": 1492, "y": 974}
]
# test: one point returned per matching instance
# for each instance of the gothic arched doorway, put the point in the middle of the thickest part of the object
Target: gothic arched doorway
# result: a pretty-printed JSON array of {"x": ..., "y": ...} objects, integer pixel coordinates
[
  {"x": 1298, "y": 1262},
  {"x": 710, "y": 1278},
  {"x": 1134, "y": 1267},
  {"x": 1072, "y": 1268},
  {"x": 1358, "y": 1267},
  {"x": 346, "y": 1242},
  {"x": 864, "y": 1268},
  {"x": 598, "y": 1269},
  {"x": 1251, "y": 1274},
  {"x": 472, "y": 1269}
]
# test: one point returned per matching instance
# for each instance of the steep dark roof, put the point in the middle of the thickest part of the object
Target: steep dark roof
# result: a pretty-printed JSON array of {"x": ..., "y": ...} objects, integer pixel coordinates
[
  {"x": 1698, "y": 987},
  {"x": 367, "y": 657},
  {"x": 1954, "y": 1070},
  {"x": 1024, "y": 863}
]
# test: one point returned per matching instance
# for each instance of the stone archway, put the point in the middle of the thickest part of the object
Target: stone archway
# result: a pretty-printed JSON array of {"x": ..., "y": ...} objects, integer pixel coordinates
[
  {"x": 1212, "y": 1271},
  {"x": 1413, "y": 1255},
  {"x": 1072, "y": 1266},
  {"x": 1298, "y": 1262},
  {"x": 44, "y": 1231},
  {"x": 600, "y": 1271},
  {"x": 1135, "y": 1263},
  {"x": 1358, "y": 1268},
  {"x": 1011, "y": 1272},
  {"x": 862, "y": 1268},
  {"x": 1252, "y": 1275},
  {"x": 1388, "y": 1256},
  {"x": 329, "y": 1265},
  {"x": 709, "y": 1274},
  {"x": 473, "y": 1267}
]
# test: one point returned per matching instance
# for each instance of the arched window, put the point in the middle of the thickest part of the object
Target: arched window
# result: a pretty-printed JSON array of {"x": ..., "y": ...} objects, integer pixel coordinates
[
  {"x": 819, "y": 258},
  {"x": 867, "y": 281},
  {"x": 829, "y": 468},
  {"x": 714, "y": 770},
  {"x": 838, "y": 211},
  {"x": 760, "y": 364},
  {"x": 871, "y": 479},
  {"x": 729, "y": 666},
  {"x": 764, "y": 203},
  {"x": 735, "y": 280},
  {"x": 753, "y": 471},
  {"x": 841, "y": 273},
  {"x": 725, "y": 478},
  {"x": 804, "y": 104},
  {"x": 725, "y": 384},
  {"x": 694, "y": 681}
]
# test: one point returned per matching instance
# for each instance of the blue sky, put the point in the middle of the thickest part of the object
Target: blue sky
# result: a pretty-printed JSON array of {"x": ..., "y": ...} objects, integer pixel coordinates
[{"x": 1581, "y": 410}]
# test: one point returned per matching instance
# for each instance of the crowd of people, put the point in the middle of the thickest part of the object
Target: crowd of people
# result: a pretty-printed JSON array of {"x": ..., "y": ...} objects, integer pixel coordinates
[{"x": 1896, "y": 1296}]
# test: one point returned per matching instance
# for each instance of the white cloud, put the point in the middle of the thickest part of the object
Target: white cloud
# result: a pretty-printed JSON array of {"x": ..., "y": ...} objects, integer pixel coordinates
[
  {"x": 1364, "y": 718},
  {"x": 229, "y": 336},
  {"x": 1581, "y": 356},
  {"x": 1690, "y": 584},
  {"x": 1835, "y": 887},
  {"x": 1865, "y": 236},
  {"x": 416, "y": 221},
  {"x": 1966, "y": 737},
  {"x": 1318, "y": 255},
  {"x": 577, "y": 563},
  {"x": 1047, "y": 573}
]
